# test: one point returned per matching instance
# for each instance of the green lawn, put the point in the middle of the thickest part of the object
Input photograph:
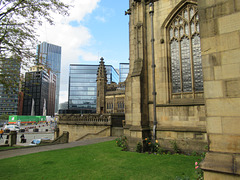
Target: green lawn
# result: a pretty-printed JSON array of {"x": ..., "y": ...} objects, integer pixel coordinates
[
  {"x": 9, "y": 147},
  {"x": 97, "y": 161}
]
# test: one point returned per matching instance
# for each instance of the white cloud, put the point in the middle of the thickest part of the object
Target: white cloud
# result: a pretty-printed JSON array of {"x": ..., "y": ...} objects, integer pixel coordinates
[
  {"x": 101, "y": 19},
  {"x": 71, "y": 39}
]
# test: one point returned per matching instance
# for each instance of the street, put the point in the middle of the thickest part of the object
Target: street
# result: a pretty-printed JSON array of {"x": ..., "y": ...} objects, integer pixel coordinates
[{"x": 44, "y": 131}]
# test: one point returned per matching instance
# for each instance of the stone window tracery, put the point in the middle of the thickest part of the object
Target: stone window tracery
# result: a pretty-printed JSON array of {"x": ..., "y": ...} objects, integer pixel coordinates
[{"x": 185, "y": 52}]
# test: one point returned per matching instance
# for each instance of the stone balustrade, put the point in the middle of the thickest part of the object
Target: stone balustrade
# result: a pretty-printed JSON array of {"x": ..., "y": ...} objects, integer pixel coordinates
[{"x": 87, "y": 119}]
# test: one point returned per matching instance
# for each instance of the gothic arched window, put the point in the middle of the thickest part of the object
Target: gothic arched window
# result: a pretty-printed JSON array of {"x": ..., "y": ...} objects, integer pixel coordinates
[{"x": 185, "y": 52}]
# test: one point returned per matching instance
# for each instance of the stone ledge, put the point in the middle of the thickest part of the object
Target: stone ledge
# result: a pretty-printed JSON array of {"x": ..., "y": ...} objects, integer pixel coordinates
[
  {"x": 89, "y": 123},
  {"x": 221, "y": 162},
  {"x": 182, "y": 129}
]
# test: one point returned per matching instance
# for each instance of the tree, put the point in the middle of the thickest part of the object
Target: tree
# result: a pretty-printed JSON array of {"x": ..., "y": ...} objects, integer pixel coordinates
[
  {"x": 18, "y": 22},
  {"x": 4, "y": 117}
]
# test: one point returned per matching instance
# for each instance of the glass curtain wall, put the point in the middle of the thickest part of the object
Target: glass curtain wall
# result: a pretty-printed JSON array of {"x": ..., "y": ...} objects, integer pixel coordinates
[
  {"x": 35, "y": 91},
  {"x": 123, "y": 71},
  {"x": 50, "y": 55},
  {"x": 10, "y": 69},
  {"x": 83, "y": 86}
]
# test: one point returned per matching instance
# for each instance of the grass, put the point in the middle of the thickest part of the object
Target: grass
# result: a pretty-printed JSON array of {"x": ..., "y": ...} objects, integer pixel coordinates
[
  {"x": 97, "y": 161},
  {"x": 10, "y": 147}
]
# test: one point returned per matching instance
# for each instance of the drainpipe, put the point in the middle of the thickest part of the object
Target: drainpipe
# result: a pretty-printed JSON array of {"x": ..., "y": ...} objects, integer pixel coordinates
[{"x": 151, "y": 11}]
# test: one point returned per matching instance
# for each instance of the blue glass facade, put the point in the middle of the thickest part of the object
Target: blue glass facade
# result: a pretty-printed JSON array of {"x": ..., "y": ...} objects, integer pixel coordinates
[
  {"x": 123, "y": 71},
  {"x": 83, "y": 86},
  {"x": 50, "y": 55}
]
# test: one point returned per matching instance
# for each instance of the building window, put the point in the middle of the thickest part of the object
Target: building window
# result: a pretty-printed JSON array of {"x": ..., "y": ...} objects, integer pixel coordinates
[{"x": 185, "y": 53}]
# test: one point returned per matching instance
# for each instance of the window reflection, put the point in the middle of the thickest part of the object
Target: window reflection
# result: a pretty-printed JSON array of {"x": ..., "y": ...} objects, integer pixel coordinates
[{"x": 83, "y": 85}]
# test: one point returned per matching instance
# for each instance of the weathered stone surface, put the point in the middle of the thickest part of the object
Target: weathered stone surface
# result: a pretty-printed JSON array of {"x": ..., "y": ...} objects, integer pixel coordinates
[
  {"x": 216, "y": 89},
  {"x": 214, "y": 125},
  {"x": 229, "y": 23},
  {"x": 221, "y": 163},
  {"x": 223, "y": 107},
  {"x": 224, "y": 143}
]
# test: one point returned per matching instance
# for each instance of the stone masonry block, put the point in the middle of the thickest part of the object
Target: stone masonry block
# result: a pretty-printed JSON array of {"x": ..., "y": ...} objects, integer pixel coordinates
[
  {"x": 229, "y": 23},
  {"x": 230, "y": 125},
  {"x": 218, "y": 162},
  {"x": 224, "y": 143},
  {"x": 231, "y": 71},
  {"x": 237, "y": 5},
  {"x": 211, "y": 60},
  {"x": 237, "y": 162},
  {"x": 223, "y": 107},
  {"x": 233, "y": 88},
  {"x": 230, "y": 57},
  {"x": 213, "y": 89},
  {"x": 210, "y": 12},
  {"x": 204, "y": 4},
  {"x": 214, "y": 125},
  {"x": 209, "y": 45},
  {"x": 228, "y": 41},
  {"x": 224, "y": 8},
  {"x": 218, "y": 72},
  {"x": 208, "y": 74},
  {"x": 214, "y": 175}
]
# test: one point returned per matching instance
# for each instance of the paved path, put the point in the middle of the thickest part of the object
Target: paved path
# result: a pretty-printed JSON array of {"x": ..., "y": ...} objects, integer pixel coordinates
[{"x": 30, "y": 150}]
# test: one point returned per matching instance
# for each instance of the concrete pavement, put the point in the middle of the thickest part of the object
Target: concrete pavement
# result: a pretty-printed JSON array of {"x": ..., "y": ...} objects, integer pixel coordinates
[{"x": 36, "y": 149}]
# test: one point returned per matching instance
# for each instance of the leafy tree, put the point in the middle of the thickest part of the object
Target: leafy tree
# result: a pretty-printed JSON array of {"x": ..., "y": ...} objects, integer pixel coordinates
[
  {"x": 18, "y": 22},
  {"x": 4, "y": 117}
]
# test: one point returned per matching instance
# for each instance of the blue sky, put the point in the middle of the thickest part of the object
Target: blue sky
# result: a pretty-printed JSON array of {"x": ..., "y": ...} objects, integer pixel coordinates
[
  {"x": 94, "y": 29},
  {"x": 109, "y": 27}
]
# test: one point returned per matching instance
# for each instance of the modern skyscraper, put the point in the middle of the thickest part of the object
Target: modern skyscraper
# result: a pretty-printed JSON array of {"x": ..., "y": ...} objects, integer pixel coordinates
[
  {"x": 10, "y": 70},
  {"x": 83, "y": 86},
  {"x": 123, "y": 71},
  {"x": 50, "y": 55},
  {"x": 39, "y": 93}
]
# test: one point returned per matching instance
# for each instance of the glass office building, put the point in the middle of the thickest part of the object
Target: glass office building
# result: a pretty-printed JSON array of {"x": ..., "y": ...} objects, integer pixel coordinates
[
  {"x": 10, "y": 70},
  {"x": 123, "y": 71},
  {"x": 82, "y": 95},
  {"x": 50, "y": 55},
  {"x": 37, "y": 94}
]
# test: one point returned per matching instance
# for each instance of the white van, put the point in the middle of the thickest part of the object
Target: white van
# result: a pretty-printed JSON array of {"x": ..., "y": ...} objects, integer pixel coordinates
[{"x": 12, "y": 127}]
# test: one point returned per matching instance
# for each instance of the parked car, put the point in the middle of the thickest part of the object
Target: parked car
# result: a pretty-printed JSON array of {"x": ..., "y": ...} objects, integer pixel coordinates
[
  {"x": 11, "y": 128},
  {"x": 35, "y": 142}
]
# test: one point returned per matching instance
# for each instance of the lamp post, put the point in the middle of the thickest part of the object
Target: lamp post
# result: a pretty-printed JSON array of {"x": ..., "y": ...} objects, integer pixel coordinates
[{"x": 151, "y": 12}]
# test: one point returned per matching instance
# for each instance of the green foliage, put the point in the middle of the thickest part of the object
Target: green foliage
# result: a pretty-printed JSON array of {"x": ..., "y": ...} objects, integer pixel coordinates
[
  {"x": 4, "y": 117},
  {"x": 175, "y": 146},
  {"x": 150, "y": 146},
  {"x": 198, "y": 171},
  {"x": 194, "y": 153},
  {"x": 184, "y": 177},
  {"x": 139, "y": 147},
  {"x": 122, "y": 142},
  {"x": 96, "y": 161},
  {"x": 19, "y": 20},
  {"x": 161, "y": 151}
]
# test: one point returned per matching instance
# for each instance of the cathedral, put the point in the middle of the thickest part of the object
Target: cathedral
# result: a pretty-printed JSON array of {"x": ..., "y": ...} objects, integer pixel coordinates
[
  {"x": 183, "y": 84},
  {"x": 184, "y": 79}
]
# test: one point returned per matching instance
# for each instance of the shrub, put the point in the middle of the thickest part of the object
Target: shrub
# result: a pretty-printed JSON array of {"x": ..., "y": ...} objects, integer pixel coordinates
[
  {"x": 151, "y": 147},
  {"x": 139, "y": 147},
  {"x": 122, "y": 142},
  {"x": 161, "y": 151},
  {"x": 198, "y": 171},
  {"x": 175, "y": 146}
]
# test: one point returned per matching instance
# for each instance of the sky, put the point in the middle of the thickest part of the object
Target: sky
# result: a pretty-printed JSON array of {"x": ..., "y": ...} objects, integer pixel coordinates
[{"x": 94, "y": 29}]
